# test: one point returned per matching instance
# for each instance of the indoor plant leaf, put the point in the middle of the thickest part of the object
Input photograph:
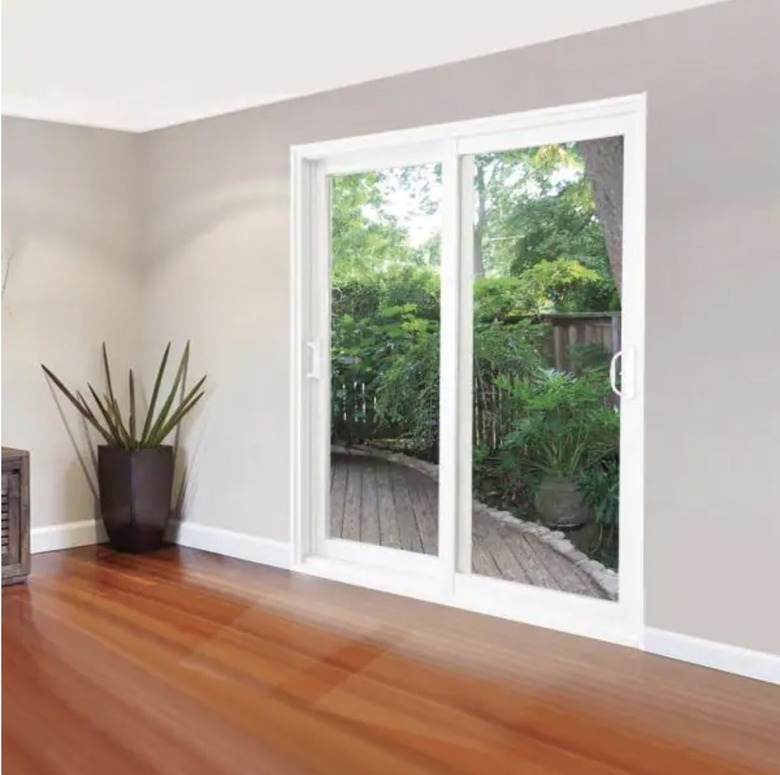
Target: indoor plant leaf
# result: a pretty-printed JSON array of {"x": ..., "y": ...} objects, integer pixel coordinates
[
  {"x": 161, "y": 432},
  {"x": 153, "y": 401},
  {"x": 166, "y": 407},
  {"x": 177, "y": 417},
  {"x": 108, "y": 419},
  {"x": 82, "y": 407},
  {"x": 131, "y": 421}
]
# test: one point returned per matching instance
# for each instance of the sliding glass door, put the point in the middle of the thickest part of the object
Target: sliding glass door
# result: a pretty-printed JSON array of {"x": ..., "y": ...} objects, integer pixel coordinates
[
  {"x": 468, "y": 370},
  {"x": 385, "y": 289},
  {"x": 545, "y": 252}
]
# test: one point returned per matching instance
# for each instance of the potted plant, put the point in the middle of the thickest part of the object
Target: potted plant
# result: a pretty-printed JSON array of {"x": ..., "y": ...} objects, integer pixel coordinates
[
  {"x": 565, "y": 426},
  {"x": 135, "y": 466}
]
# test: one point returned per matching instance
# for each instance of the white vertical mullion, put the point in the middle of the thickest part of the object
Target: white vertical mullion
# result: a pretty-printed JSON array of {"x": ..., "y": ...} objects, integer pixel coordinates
[
  {"x": 319, "y": 304},
  {"x": 466, "y": 362},
  {"x": 631, "y": 514},
  {"x": 449, "y": 366},
  {"x": 299, "y": 239}
]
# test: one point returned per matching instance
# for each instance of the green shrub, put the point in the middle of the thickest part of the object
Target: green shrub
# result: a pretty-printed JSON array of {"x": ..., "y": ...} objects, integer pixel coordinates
[
  {"x": 362, "y": 350},
  {"x": 600, "y": 487},
  {"x": 407, "y": 396},
  {"x": 564, "y": 285},
  {"x": 412, "y": 285},
  {"x": 499, "y": 298},
  {"x": 368, "y": 294},
  {"x": 565, "y": 424}
]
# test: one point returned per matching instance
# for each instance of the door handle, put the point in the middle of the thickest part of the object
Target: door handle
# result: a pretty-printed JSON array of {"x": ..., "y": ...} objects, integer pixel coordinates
[
  {"x": 626, "y": 358},
  {"x": 613, "y": 373},
  {"x": 314, "y": 373}
]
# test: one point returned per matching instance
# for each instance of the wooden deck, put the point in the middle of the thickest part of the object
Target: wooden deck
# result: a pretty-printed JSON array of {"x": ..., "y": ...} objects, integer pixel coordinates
[{"x": 379, "y": 502}]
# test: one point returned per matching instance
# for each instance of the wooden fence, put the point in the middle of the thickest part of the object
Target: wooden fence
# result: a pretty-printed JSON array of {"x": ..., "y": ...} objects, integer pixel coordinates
[{"x": 572, "y": 333}]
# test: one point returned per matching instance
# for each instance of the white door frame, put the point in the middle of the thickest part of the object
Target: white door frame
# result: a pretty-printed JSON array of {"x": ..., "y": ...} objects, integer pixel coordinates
[{"x": 437, "y": 578}]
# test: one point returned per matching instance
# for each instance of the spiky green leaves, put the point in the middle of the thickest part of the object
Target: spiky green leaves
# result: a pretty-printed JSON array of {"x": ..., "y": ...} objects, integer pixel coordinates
[{"x": 109, "y": 421}]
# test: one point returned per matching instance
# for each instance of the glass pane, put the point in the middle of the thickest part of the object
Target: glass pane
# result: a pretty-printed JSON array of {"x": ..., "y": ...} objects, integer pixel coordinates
[
  {"x": 547, "y": 258},
  {"x": 385, "y": 255}
]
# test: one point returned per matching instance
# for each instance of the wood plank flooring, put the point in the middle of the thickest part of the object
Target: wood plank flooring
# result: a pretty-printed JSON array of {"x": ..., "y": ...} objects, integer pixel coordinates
[
  {"x": 380, "y": 502},
  {"x": 185, "y": 663}
]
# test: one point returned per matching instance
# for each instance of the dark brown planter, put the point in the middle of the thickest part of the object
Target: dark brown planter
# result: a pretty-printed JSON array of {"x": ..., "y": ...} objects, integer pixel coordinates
[{"x": 135, "y": 496}]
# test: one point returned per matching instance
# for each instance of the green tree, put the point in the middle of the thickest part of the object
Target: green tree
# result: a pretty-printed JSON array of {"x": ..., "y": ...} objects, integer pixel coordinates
[
  {"x": 365, "y": 237},
  {"x": 531, "y": 206}
]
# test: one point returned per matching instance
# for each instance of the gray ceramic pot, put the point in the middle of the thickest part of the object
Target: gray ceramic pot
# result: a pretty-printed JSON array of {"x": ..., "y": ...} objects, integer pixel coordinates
[{"x": 559, "y": 502}]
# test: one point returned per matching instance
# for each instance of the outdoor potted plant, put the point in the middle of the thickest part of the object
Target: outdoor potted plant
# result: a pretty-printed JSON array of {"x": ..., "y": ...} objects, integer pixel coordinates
[
  {"x": 135, "y": 465},
  {"x": 565, "y": 427}
]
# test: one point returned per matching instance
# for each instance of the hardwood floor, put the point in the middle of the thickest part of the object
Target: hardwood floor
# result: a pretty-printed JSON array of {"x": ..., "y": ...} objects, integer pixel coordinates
[{"x": 186, "y": 663}]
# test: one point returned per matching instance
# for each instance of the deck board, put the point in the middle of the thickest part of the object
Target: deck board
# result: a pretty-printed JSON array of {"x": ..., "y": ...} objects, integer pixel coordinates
[
  {"x": 388, "y": 524},
  {"x": 502, "y": 555},
  {"x": 482, "y": 561},
  {"x": 380, "y": 502},
  {"x": 353, "y": 515},
  {"x": 407, "y": 524},
  {"x": 338, "y": 494},
  {"x": 529, "y": 552},
  {"x": 559, "y": 568},
  {"x": 426, "y": 513},
  {"x": 369, "y": 521}
]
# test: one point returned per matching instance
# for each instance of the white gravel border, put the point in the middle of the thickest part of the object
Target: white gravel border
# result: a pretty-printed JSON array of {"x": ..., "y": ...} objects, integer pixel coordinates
[{"x": 605, "y": 577}]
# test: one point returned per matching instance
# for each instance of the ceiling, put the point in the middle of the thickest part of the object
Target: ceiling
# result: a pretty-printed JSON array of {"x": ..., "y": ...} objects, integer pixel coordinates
[{"x": 144, "y": 64}]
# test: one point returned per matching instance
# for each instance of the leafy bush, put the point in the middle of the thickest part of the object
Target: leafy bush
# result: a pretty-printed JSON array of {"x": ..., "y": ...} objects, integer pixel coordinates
[
  {"x": 407, "y": 395},
  {"x": 362, "y": 351},
  {"x": 564, "y": 285},
  {"x": 600, "y": 487},
  {"x": 565, "y": 422},
  {"x": 499, "y": 298},
  {"x": 412, "y": 285},
  {"x": 369, "y": 294},
  {"x": 359, "y": 296}
]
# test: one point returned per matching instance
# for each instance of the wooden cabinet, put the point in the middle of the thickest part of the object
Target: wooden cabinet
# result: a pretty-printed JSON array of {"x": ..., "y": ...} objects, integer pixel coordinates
[{"x": 16, "y": 515}]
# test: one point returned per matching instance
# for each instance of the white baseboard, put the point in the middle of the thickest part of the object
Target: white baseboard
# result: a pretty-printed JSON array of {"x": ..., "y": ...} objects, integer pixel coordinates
[
  {"x": 239, "y": 545},
  {"x": 66, "y": 536},
  {"x": 719, "y": 656},
  {"x": 209, "y": 539}
]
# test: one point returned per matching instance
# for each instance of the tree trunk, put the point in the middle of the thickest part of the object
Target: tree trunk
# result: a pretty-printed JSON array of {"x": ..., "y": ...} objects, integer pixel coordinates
[{"x": 604, "y": 167}]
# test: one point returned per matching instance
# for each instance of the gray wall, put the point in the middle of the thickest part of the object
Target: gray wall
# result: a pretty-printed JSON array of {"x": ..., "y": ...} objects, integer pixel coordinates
[
  {"x": 70, "y": 221},
  {"x": 218, "y": 272}
]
